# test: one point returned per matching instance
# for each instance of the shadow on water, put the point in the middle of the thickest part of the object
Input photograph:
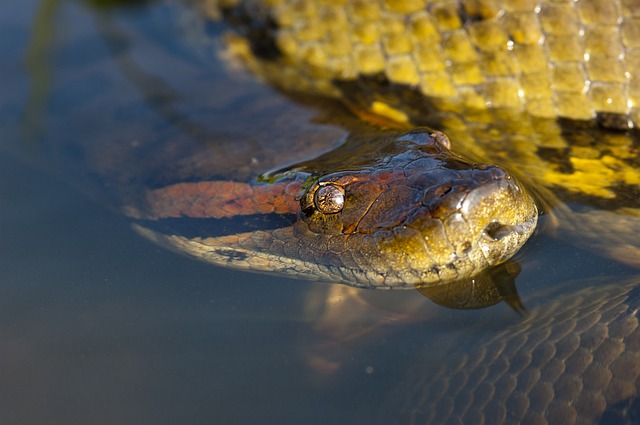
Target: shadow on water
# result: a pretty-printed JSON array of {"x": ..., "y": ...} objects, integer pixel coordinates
[{"x": 98, "y": 325}]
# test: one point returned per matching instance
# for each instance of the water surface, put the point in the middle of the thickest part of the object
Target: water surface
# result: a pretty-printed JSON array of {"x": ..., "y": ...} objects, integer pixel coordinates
[{"x": 99, "y": 325}]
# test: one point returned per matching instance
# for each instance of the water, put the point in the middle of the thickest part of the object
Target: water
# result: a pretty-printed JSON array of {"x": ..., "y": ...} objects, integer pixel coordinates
[{"x": 98, "y": 325}]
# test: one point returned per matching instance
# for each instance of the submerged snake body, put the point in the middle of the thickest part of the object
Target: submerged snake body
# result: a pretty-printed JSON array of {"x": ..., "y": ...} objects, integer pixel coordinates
[{"x": 575, "y": 361}]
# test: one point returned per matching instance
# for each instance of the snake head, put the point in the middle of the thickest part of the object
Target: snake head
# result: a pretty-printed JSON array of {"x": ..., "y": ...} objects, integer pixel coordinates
[{"x": 414, "y": 213}]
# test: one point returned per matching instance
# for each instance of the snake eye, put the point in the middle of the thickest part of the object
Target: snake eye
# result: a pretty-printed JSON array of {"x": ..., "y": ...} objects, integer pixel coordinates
[{"x": 329, "y": 199}]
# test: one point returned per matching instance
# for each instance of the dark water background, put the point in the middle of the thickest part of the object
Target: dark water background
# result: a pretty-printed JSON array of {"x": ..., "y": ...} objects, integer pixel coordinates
[{"x": 99, "y": 326}]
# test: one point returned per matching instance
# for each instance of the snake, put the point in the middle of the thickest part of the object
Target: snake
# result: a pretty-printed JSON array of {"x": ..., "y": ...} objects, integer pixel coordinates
[{"x": 546, "y": 89}]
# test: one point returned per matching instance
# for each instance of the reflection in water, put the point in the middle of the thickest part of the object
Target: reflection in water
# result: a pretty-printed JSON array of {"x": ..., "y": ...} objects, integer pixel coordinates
[
  {"x": 37, "y": 61},
  {"x": 99, "y": 326}
]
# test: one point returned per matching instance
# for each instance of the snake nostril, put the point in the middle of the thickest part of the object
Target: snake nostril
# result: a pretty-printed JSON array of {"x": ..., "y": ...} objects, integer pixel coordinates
[{"x": 496, "y": 230}]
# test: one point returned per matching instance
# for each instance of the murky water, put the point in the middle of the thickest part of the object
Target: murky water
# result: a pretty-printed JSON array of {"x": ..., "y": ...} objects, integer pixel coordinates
[{"x": 98, "y": 325}]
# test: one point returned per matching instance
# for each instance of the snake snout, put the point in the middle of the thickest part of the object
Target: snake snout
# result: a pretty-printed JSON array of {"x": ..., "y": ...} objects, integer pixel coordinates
[{"x": 501, "y": 215}]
